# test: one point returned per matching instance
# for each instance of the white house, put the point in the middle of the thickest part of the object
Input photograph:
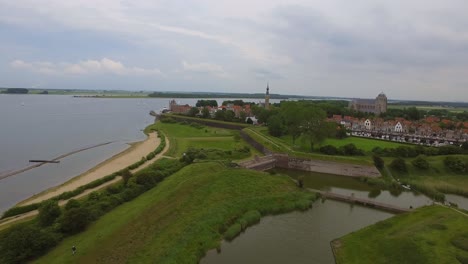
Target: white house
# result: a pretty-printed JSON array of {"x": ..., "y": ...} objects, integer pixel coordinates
[
  {"x": 398, "y": 128},
  {"x": 368, "y": 124}
]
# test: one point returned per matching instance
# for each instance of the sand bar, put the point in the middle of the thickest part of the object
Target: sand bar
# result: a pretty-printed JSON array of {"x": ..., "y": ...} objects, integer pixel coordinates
[{"x": 113, "y": 164}]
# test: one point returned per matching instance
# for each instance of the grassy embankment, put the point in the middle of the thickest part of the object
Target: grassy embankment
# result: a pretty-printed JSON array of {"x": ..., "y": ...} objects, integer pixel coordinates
[
  {"x": 183, "y": 137},
  {"x": 283, "y": 145},
  {"x": 183, "y": 217},
  {"x": 436, "y": 180},
  {"x": 428, "y": 235}
]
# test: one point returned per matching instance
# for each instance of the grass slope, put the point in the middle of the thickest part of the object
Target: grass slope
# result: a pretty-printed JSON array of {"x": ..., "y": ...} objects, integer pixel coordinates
[
  {"x": 260, "y": 134},
  {"x": 437, "y": 177},
  {"x": 428, "y": 235},
  {"x": 180, "y": 219},
  {"x": 183, "y": 137}
]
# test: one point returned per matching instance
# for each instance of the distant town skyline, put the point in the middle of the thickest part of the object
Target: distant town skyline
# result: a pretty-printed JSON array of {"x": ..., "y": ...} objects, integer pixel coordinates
[{"x": 415, "y": 50}]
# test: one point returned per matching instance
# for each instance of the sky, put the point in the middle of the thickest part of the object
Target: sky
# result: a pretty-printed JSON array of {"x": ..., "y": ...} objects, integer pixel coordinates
[{"x": 414, "y": 50}]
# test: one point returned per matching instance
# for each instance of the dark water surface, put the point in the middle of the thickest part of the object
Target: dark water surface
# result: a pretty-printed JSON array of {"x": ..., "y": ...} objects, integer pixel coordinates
[
  {"x": 304, "y": 237},
  {"x": 297, "y": 237},
  {"x": 46, "y": 126}
]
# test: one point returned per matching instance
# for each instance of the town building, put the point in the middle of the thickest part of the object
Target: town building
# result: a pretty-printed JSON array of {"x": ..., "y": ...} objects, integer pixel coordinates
[
  {"x": 177, "y": 108},
  {"x": 267, "y": 98},
  {"x": 376, "y": 106}
]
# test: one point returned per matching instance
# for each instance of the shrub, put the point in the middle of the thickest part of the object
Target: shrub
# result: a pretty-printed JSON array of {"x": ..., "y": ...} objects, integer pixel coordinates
[
  {"x": 23, "y": 242},
  {"x": 399, "y": 164},
  {"x": 329, "y": 150},
  {"x": 48, "y": 212},
  {"x": 455, "y": 164},
  {"x": 351, "y": 150},
  {"x": 378, "y": 162},
  {"x": 75, "y": 220},
  {"x": 233, "y": 231},
  {"x": 420, "y": 163},
  {"x": 72, "y": 203}
]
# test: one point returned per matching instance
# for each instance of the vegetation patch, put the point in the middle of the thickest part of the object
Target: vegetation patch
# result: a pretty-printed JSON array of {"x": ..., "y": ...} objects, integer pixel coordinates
[
  {"x": 183, "y": 217},
  {"x": 427, "y": 235}
]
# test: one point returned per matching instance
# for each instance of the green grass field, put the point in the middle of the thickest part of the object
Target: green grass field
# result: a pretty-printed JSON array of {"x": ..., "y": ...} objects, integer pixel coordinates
[
  {"x": 430, "y": 107},
  {"x": 275, "y": 144},
  {"x": 428, "y": 235},
  {"x": 183, "y": 137},
  {"x": 366, "y": 144},
  {"x": 180, "y": 219},
  {"x": 436, "y": 178}
]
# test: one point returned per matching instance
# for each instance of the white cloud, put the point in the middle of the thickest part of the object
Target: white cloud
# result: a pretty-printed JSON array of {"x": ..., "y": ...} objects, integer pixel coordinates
[
  {"x": 102, "y": 66},
  {"x": 204, "y": 67}
]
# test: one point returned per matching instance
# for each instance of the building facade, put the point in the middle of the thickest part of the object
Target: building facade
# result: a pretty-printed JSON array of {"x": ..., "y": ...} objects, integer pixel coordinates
[{"x": 376, "y": 106}]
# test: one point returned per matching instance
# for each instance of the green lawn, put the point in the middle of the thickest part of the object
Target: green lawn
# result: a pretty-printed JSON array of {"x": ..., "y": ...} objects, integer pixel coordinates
[
  {"x": 183, "y": 137},
  {"x": 181, "y": 218},
  {"x": 282, "y": 144},
  {"x": 428, "y": 235},
  {"x": 366, "y": 144},
  {"x": 436, "y": 178}
]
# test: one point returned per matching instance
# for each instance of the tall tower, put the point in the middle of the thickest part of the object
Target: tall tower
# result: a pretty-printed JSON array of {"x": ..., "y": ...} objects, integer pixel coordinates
[
  {"x": 267, "y": 98},
  {"x": 381, "y": 103}
]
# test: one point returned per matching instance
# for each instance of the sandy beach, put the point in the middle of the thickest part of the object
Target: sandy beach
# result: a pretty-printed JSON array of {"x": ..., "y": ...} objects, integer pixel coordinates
[{"x": 120, "y": 161}]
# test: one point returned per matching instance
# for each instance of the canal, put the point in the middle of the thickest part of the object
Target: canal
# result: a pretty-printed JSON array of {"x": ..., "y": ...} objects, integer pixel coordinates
[{"x": 304, "y": 237}]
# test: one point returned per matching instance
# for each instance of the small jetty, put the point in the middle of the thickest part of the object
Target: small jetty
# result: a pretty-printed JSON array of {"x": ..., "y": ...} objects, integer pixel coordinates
[
  {"x": 365, "y": 202},
  {"x": 45, "y": 161}
]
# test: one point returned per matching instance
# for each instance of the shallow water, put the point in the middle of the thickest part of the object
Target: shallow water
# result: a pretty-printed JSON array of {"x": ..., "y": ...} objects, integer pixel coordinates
[{"x": 297, "y": 237}]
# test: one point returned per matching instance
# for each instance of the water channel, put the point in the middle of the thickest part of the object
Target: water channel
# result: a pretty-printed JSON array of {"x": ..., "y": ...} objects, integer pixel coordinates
[{"x": 304, "y": 237}]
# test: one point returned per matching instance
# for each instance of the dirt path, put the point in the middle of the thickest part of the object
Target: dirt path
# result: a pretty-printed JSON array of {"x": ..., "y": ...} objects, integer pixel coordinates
[{"x": 123, "y": 154}]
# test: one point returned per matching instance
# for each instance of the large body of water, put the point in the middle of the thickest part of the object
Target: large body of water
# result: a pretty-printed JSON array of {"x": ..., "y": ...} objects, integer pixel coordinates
[{"x": 46, "y": 126}]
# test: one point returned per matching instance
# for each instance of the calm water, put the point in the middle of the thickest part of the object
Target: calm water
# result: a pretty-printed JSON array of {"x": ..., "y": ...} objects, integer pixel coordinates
[
  {"x": 298, "y": 237},
  {"x": 304, "y": 237},
  {"x": 46, "y": 126}
]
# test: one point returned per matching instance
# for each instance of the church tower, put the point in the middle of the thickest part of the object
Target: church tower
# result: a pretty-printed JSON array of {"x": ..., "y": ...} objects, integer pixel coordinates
[
  {"x": 267, "y": 98},
  {"x": 381, "y": 103}
]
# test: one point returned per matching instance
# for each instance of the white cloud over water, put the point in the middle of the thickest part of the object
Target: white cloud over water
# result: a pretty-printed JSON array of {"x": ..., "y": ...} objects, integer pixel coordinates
[
  {"x": 102, "y": 66},
  {"x": 408, "y": 49}
]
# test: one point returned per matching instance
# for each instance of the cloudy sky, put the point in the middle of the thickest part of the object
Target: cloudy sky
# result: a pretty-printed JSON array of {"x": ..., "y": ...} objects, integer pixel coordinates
[{"x": 414, "y": 49}]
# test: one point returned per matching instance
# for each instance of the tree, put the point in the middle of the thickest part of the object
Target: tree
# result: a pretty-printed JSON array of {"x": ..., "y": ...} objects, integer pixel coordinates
[
  {"x": 378, "y": 162},
  {"x": 399, "y": 165},
  {"x": 193, "y": 111},
  {"x": 242, "y": 116},
  {"x": 293, "y": 117},
  {"x": 126, "y": 175},
  {"x": 313, "y": 125},
  {"x": 75, "y": 220},
  {"x": 219, "y": 115},
  {"x": 48, "y": 212},
  {"x": 205, "y": 112},
  {"x": 204, "y": 103},
  {"x": 275, "y": 126},
  {"x": 229, "y": 116},
  {"x": 420, "y": 163}
]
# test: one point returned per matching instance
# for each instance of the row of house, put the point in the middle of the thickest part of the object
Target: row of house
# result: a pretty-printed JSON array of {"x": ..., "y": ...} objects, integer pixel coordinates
[
  {"x": 237, "y": 109},
  {"x": 429, "y": 127}
]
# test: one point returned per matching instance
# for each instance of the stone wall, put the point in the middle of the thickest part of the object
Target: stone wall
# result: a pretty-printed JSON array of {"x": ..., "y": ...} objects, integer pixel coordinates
[{"x": 330, "y": 167}]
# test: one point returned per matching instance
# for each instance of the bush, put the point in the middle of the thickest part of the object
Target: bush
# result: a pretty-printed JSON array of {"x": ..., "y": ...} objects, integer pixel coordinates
[
  {"x": 48, "y": 212},
  {"x": 233, "y": 231},
  {"x": 420, "y": 163},
  {"x": 378, "y": 162},
  {"x": 455, "y": 164},
  {"x": 23, "y": 242},
  {"x": 75, "y": 220},
  {"x": 329, "y": 150},
  {"x": 399, "y": 164},
  {"x": 72, "y": 203},
  {"x": 351, "y": 150}
]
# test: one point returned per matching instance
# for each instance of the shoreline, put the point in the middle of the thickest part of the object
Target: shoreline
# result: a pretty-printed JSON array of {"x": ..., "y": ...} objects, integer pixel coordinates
[{"x": 119, "y": 161}]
